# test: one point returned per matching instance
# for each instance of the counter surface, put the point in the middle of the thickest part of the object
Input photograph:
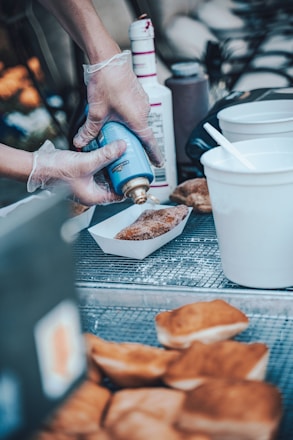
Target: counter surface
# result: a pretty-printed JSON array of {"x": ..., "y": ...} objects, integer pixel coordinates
[
  {"x": 119, "y": 297},
  {"x": 192, "y": 259}
]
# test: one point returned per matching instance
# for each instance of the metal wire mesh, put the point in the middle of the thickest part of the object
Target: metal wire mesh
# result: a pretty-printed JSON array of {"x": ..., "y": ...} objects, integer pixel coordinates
[
  {"x": 192, "y": 260},
  {"x": 135, "y": 324},
  {"x": 189, "y": 265}
]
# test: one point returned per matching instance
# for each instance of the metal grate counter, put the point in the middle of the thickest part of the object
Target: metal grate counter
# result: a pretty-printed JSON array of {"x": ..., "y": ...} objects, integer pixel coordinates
[
  {"x": 192, "y": 259},
  {"x": 119, "y": 297}
]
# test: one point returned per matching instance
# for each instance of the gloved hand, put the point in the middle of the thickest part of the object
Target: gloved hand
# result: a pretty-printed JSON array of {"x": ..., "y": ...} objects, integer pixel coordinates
[
  {"x": 79, "y": 170},
  {"x": 115, "y": 94}
]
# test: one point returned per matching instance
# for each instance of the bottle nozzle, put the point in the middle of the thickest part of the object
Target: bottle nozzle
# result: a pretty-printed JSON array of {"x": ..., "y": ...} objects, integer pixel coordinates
[
  {"x": 137, "y": 189},
  {"x": 138, "y": 196}
]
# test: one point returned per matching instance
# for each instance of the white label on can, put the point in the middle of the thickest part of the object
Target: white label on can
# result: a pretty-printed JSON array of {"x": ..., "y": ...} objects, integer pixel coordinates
[{"x": 60, "y": 348}]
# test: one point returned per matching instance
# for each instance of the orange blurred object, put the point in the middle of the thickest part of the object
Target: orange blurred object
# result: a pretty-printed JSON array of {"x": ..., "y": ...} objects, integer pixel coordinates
[
  {"x": 29, "y": 97},
  {"x": 14, "y": 80}
]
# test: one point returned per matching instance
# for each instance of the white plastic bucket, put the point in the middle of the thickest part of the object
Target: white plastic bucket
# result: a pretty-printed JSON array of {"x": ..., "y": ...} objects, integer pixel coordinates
[
  {"x": 253, "y": 211},
  {"x": 251, "y": 120}
]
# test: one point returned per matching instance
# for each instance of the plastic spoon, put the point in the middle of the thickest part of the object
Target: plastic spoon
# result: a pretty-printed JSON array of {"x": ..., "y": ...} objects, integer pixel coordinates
[{"x": 227, "y": 145}]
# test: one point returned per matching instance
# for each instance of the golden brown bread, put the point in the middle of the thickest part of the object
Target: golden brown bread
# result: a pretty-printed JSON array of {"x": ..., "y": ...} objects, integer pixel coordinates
[
  {"x": 159, "y": 402},
  {"x": 216, "y": 408},
  {"x": 193, "y": 193},
  {"x": 206, "y": 321},
  {"x": 138, "y": 425},
  {"x": 101, "y": 434},
  {"x": 193, "y": 436},
  {"x": 153, "y": 222},
  {"x": 52, "y": 435},
  {"x": 82, "y": 412},
  {"x": 232, "y": 408},
  {"x": 131, "y": 364},
  {"x": 223, "y": 359}
]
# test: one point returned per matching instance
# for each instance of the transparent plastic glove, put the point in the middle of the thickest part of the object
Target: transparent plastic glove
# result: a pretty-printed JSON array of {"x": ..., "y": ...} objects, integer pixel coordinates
[
  {"x": 115, "y": 94},
  {"x": 81, "y": 171}
]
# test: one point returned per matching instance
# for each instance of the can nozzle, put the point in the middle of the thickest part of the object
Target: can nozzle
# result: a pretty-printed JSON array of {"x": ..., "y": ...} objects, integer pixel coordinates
[{"x": 137, "y": 189}]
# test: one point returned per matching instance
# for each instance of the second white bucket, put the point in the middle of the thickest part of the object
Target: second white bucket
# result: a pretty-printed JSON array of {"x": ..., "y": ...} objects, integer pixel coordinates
[{"x": 253, "y": 211}]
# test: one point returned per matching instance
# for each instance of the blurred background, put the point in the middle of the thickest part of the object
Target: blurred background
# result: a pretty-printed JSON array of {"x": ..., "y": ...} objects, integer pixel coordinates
[{"x": 240, "y": 45}]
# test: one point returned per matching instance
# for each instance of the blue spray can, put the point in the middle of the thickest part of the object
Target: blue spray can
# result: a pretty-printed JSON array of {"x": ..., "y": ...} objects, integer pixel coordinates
[{"x": 131, "y": 174}]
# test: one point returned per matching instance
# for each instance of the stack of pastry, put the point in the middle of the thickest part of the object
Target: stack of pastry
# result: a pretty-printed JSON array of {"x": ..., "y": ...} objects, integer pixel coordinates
[{"x": 201, "y": 385}]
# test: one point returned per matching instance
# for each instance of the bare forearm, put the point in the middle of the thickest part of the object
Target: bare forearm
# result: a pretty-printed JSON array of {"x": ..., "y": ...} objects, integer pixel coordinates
[
  {"x": 14, "y": 163},
  {"x": 80, "y": 19}
]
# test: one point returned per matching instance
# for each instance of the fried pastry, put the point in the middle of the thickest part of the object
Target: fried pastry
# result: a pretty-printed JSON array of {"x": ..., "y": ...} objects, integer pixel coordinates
[
  {"x": 153, "y": 223},
  {"x": 82, "y": 412},
  {"x": 223, "y": 359},
  {"x": 193, "y": 436},
  {"x": 206, "y": 321},
  {"x": 193, "y": 193},
  {"x": 159, "y": 402},
  {"x": 137, "y": 425},
  {"x": 233, "y": 409},
  {"x": 52, "y": 435},
  {"x": 101, "y": 434},
  {"x": 131, "y": 364}
]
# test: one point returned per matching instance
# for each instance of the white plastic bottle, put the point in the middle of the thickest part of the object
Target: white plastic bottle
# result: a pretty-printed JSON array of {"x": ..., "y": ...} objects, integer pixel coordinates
[{"x": 141, "y": 34}]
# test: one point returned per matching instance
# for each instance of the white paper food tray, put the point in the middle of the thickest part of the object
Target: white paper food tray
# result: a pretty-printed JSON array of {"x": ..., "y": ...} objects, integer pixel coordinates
[
  {"x": 81, "y": 221},
  {"x": 104, "y": 232}
]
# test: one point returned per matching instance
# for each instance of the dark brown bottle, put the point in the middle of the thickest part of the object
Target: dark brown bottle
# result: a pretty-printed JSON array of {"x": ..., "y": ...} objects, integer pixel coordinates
[{"x": 190, "y": 96}]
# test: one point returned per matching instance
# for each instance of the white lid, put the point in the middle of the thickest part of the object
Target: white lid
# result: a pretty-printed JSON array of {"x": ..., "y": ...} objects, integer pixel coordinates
[
  {"x": 141, "y": 29},
  {"x": 187, "y": 68}
]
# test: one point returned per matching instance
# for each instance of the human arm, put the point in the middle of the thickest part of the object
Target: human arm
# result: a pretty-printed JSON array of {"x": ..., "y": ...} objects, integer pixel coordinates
[
  {"x": 113, "y": 91},
  {"x": 47, "y": 167},
  {"x": 82, "y": 23},
  {"x": 14, "y": 163}
]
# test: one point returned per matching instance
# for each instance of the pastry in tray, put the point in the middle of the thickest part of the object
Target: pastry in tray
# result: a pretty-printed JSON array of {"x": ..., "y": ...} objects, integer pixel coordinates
[
  {"x": 82, "y": 412},
  {"x": 193, "y": 193},
  {"x": 153, "y": 223},
  {"x": 224, "y": 359},
  {"x": 206, "y": 321},
  {"x": 47, "y": 434},
  {"x": 139, "y": 425},
  {"x": 207, "y": 391},
  {"x": 131, "y": 364},
  {"x": 233, "y": 409},
  {"x": 162, "y": 403}
]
